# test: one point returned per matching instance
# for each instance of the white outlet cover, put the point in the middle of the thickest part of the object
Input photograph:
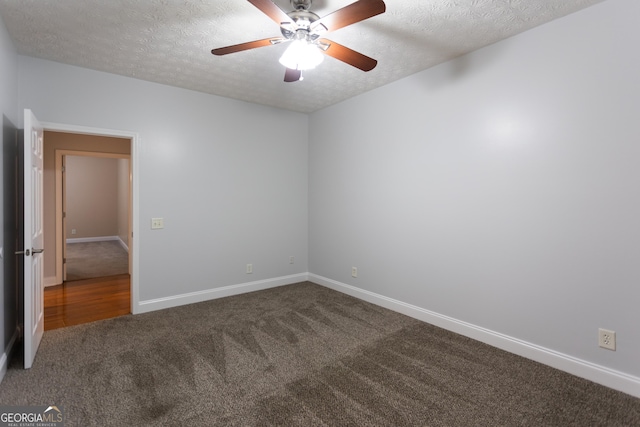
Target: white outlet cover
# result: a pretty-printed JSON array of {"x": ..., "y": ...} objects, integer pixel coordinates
[{"x": 607, "y": 339}]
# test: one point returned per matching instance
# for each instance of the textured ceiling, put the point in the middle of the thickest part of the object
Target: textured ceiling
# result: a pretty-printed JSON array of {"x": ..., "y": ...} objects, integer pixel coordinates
[{"x": 169, "y": 41}]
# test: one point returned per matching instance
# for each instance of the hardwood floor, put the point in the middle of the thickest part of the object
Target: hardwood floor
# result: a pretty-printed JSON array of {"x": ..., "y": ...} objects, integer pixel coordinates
[{"x": 83, "y": 301}]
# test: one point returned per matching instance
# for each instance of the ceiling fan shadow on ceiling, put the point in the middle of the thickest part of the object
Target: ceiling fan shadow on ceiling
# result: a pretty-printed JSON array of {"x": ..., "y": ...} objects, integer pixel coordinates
[{"x": 305, "y": 30}]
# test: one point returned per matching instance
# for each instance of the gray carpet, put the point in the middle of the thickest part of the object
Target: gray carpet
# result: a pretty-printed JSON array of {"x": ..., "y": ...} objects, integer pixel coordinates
[
  {"x": 297, "y": 355},
  {"x": 87, "y": 260}
]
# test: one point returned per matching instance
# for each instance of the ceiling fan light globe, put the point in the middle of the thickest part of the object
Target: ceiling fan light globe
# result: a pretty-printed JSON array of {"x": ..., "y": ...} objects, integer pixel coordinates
[{"x": 301, "y": 55}]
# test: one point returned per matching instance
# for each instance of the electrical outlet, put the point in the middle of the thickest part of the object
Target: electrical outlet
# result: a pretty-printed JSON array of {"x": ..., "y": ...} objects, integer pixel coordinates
[
  {"x": 291, "y": 260},
  {"x": 73, "y": 231},
  {"x": 249, "y": 268},
  {"x": 607, "y": 339},
  {"x": 354, "y": 271}
]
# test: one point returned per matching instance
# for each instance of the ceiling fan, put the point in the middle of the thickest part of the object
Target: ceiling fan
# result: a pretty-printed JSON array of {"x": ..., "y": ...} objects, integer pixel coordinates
[{"x": 304, "y": 29}]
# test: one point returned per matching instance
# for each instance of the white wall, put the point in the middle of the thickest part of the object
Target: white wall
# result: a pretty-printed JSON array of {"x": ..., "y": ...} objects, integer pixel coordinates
[
  {"x": 226, "y": 176},
  {"x": 497, "y": 194},
  {"x": 9, "y": 117}
]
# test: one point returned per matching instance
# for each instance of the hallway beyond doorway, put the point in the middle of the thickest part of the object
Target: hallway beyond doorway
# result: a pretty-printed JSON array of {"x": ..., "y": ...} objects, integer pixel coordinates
[{"x": 87, "y": 260}]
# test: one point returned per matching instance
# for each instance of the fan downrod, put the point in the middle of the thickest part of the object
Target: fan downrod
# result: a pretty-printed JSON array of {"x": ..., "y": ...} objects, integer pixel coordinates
[{"x": 301, "y": 4}]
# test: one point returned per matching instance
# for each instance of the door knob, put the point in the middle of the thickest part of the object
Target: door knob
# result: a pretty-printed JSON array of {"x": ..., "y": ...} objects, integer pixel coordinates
[{"x": 29, "y": 252}]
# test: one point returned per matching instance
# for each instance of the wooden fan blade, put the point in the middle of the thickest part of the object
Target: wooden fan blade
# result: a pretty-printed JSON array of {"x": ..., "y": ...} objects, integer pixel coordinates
[
  {"x": 355, "y": 12},
  {"x": 246, "y": 46},
  {"x": 292, "y": 75},
  {"x": 270, "y": 9},
  {"x": 349, "y": 56}
]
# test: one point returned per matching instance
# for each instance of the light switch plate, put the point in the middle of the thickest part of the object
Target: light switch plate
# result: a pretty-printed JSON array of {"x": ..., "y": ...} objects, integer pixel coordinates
[{"x": 157, "y": 223}]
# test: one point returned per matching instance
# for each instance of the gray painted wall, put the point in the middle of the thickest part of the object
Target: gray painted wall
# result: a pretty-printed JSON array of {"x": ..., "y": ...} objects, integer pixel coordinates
[
  {"x": 227, "y": 176},
  {"x": 498, "y": 189},
  {"x": 9, "y": 116}
]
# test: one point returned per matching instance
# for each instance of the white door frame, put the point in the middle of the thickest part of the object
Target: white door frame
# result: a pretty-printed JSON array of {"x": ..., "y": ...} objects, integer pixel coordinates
[
  {"x": 135, "y": 179},
  {"x": 60, "y": 234}
]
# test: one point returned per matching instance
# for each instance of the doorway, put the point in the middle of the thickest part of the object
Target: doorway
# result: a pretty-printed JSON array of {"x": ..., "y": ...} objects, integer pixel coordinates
[
  {"x": 93, "y": 211},
  {"x": 93, "y": 192},
  {"x": 82, "y": 301},
  {"x": 71, "y": 300}
]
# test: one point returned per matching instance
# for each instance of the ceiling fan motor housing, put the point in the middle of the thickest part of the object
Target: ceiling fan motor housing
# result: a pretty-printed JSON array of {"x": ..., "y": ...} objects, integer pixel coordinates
[{"x": 302, "y": 18}]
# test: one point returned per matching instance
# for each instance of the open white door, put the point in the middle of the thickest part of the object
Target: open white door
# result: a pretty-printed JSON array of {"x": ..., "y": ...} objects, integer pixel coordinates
[{"x": 33, "y": 237}]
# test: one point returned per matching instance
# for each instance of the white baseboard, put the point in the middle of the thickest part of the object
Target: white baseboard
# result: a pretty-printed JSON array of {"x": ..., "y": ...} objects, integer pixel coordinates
[
  {"x": 92, "y": 239},
  {"x": 123, "y": 244},
  {"x": 51, "y": 281},
  {"x": 209, "y": 294},
  {"x": 599, "y": 374},
  {"x": 6, "y": 356}
]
